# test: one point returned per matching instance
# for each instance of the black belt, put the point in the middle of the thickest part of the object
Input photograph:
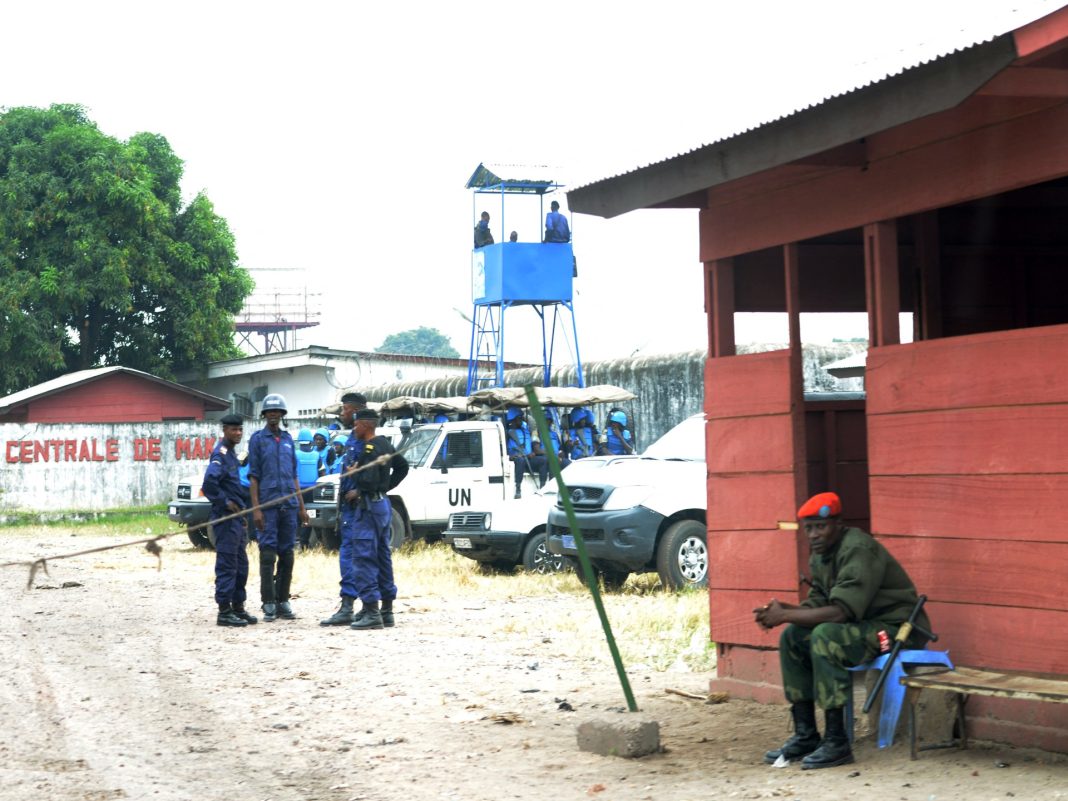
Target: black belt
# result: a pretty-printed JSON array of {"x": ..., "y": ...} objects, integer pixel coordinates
[{"x": 373, "y": 496}]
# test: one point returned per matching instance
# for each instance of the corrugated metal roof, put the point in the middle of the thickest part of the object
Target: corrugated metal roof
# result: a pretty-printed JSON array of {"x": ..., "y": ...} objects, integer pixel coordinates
[
  {"x": 70, "y": 380},
  {"x": 944, "y": 45}
]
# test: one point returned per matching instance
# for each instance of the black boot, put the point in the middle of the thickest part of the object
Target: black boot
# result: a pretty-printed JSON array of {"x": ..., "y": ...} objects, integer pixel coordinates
[
  {"x": 387, "y": 614},
  {"x": 228, "y": 618},
  {"x": 284, "y": 577},
  {"x": 834, "y": 750},
  {"x": 806, "y": 737},
  {"x": 368, "y": 618},
  {"x": 267, "y": 560},
  {"x": 239, "y": 610},
  {"x": 343, "y": 616}
]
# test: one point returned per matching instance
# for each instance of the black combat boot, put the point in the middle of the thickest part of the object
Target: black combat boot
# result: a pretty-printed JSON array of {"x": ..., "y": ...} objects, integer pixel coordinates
[
  {"x": 806, "y": 737},
  {"x": 270, "y": 613},
  {"x": 387, "y": 614},
  {"x": 343, "y": 616},
  {"x": 267, "y": 560},
  {"x": 228, "y": 618},
  {"x": 368, "y": 618},
  {"x": 834, "y": 750},
  {"x": 239, "y": 610},
  {"x": 281, "y": 585}
]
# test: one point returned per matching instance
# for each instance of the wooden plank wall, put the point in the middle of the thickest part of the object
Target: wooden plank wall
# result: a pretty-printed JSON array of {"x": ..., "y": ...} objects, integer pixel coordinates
[
  {"x": 750, "y": 488},
  {"x": 968, "y": 458}
]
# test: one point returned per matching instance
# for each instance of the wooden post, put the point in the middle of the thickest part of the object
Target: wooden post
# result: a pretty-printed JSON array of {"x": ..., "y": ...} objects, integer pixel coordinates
[
  {"x": 929, "y": 262},
  {"x": 882, "y": 283},
  {"x": 719, "y": 305},
  {"x": 792, "y": 276}
]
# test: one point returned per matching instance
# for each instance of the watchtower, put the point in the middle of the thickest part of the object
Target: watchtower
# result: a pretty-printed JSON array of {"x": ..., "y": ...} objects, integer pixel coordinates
[{"x": 507, "y": 275}]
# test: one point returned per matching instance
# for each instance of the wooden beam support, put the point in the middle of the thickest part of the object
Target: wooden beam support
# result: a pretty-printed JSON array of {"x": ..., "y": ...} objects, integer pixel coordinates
[
  {"x": 928, "y": 321},
  {"x": 882, "y": 283},
  {"x": 719, "y": 305},
  {"x": 792, "y": 275}
]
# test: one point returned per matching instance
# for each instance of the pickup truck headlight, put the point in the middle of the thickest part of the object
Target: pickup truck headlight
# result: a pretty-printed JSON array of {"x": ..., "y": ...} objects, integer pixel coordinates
[
  {"x": 627, "y": 497},
  {"x": 488, "y": 522}
]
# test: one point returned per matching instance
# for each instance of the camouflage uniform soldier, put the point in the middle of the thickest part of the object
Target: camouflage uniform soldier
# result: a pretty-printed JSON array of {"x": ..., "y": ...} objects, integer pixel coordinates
[{"x": 858, "y": 589}]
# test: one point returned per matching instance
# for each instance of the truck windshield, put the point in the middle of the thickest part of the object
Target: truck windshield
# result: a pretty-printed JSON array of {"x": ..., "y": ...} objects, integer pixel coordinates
[
  {"x": 419, "y": 444},
  {"x": 684, "y": 441}
]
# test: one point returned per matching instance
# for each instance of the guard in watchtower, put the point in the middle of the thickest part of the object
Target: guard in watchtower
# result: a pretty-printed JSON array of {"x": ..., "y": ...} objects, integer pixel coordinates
[
  {"x": 365, "y": 556},
  {"x": 222, "y": 487}
]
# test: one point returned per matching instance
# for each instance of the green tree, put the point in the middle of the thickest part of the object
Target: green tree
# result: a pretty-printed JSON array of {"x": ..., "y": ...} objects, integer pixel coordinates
[
  {"x": 100, "y": 263},
  {"x": 420, "y": 341}
]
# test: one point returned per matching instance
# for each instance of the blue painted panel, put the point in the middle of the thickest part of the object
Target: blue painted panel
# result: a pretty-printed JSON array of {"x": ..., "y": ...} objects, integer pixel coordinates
[{"x": 522, "y": 272}]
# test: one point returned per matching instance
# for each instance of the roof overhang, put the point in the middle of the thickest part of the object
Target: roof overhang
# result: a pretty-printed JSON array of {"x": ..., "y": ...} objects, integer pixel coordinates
[{"x": 834, "y": 125}]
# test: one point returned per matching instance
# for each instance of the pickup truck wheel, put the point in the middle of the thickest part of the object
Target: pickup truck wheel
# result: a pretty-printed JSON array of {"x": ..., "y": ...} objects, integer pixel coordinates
[
  {"x": 612, "y": 579},
  {"x": 682, "y": 555},
  {"x": 396, "y": 531},
  {"x": 536, "y": 556},
  {"x": 199, "y": 538},
  {"x": 326, "y": 538}
]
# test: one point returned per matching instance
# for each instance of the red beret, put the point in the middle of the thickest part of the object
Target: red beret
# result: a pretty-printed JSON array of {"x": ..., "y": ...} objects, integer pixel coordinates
[{"x": 826, "y": 504}]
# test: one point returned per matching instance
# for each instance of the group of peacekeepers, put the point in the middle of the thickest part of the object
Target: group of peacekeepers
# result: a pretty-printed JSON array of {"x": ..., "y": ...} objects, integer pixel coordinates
[{"x": 274, "y": 495}]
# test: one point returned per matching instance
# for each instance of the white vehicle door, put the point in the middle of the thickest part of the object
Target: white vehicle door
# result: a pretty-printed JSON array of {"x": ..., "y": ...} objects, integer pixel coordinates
[{"x": 467, "y": 472}]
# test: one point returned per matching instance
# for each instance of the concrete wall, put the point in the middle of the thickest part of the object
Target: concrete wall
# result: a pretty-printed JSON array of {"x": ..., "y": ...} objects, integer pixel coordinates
[
  {"x": 97, "y": 466},
  {"x": 670, "y": 387}
]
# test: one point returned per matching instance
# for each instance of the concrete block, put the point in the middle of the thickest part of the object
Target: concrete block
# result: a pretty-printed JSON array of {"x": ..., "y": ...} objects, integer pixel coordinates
[{"x": 623, "y": 735}]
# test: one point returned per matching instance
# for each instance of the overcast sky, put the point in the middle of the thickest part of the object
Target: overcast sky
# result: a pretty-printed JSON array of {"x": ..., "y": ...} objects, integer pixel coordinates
[{"x": 336, "y": 138}]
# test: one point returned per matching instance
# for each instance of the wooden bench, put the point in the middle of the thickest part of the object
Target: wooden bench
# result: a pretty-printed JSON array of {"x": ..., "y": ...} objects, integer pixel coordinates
[{"x": 965, "y": 682}]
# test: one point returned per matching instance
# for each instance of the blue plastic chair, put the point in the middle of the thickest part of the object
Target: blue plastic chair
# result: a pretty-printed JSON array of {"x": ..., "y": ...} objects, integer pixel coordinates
[{"x": 893, "y": 692}]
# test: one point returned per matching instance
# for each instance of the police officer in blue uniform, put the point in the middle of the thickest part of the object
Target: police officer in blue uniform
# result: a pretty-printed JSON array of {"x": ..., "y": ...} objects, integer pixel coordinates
[
  {"x": 617, "y": 439},
  {"x": 365, "y": 557},
  {"x": 521, "y": 451},
  {"x": 222, "y": 487},
  {"x": 272, "y": 474},
  {"x": 555, "y": 443},
  {"x": 582, "y": 441}
]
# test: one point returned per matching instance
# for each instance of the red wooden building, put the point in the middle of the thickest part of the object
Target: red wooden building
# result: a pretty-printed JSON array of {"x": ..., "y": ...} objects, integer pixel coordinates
[
  {"x": 107, "y": 395},
  {"x": 942, "y": 190}
]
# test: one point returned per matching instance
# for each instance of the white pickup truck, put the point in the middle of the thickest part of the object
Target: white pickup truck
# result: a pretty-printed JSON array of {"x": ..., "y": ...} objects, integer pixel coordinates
[
  {"x": 454, "y": 467},
  {"x": 643, "y": 513}
]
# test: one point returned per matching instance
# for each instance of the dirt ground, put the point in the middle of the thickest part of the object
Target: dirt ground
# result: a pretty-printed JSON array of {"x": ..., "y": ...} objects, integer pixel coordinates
[{"x": 123, "y": 687}]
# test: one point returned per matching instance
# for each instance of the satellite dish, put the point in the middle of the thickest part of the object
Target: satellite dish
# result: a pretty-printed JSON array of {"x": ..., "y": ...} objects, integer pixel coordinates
[{"x": 343, "y": 373}]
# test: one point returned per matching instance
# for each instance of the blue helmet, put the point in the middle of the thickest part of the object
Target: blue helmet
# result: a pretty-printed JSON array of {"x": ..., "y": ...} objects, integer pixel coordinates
[
  {"x": 618, "y": 416},
  {"x": 340, "y": 439},
  {"x": 305, "y": 435},
  {"x": 322, "y": 432},
  {"x": 513, "y": 413},
  {"x": 578, "y": 415}
]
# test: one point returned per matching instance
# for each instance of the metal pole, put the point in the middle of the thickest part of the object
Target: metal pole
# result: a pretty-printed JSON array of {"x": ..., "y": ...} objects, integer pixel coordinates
[{"x": 580, "y": 543}]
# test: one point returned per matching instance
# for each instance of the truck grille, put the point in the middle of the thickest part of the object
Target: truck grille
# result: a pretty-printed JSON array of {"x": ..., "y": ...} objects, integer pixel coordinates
[
  {"x": 584, "y": 498},
  {"x": 324, "y": 492},
  {"x": 587, "y": 533},
  {"x": 467, "y": 521},
  {"x": 185, "y": 492}
]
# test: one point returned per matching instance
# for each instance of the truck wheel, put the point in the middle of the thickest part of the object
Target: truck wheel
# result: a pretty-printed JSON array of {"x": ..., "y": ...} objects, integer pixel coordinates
[
  {"x": 682, "y": 555},
  {"x": 396, "y": 531},
  {"x": 325, "y": 538},
  {"x": 536, "y": 556},
  {"x": 612, "y": 579},
  {"x": 199, "y": 538}
]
